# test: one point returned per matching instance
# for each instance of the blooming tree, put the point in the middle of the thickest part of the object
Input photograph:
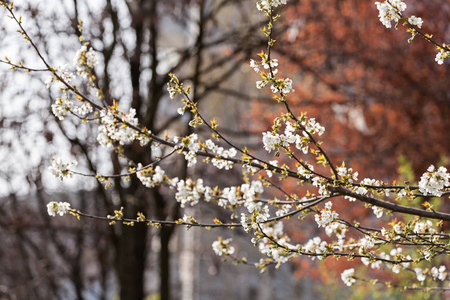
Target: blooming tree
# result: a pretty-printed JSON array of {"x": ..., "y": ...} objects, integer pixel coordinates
[{"x": 408, "y": 238}]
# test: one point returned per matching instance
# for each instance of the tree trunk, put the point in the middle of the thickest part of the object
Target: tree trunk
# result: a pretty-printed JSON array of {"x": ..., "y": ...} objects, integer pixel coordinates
[{"x": 132, "y": 257}]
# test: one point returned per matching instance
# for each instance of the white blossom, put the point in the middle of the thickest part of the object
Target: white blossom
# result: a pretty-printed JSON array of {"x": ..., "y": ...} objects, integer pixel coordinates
[
  {"x": 348, "y": 277},
  {"x": 265, "y": 5},
  {"x": 283, "y": 210},
  {"x": 440, "y": 273},
  {"x": 322, "y": 184},
  {"x": 337, "y": 228},
  {"x": 326, "y": 215},
  {"x": 423, "y": 226},
  {"x": 48, "y": 82},
  {"x": 419, "y": 274},
  {"x": 222, "y": 247},
  {"x": 273, "y": 163},
  {"x": 221, "y": 152},
  {"x": 171, "y": 88},
  {"x": 254, "y": 65},
  {"x": 307, "y": 173},
  {"x": 261, "y": 84},
  {"x": 245, "y": 222},
  {"x": 433, "y": 182},
  {"x": 65, "y": 75},
  {"x": 441, "y": 55},
  {"x": 60, "y": 208},
  {"x": 60, "y": 169},
  {"x": 315, "y": 245},
  {"x": 189, "y": 191},
  {"x": 230, "y": 195},
  {"x": 84, "y": 60},
  {"x": 365, "y": 243},
  {"x": 191, "y": 147},
  {"x": 378, "y": 211},
  {"x": 413, "y": 20},
  {"x": 111, "y": 130},
  {"x": 314, "y": 127},
  {"x": 390, "y": 11},
  {"x": 84, "y": 109},
  {"x": 62, "y": 106},
  {"x": 150, "y": 177}
]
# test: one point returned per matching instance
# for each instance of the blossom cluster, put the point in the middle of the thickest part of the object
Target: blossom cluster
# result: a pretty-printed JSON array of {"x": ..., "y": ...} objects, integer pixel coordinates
[
  {"x": 275, "y": 140},
  {"x": 266, "y": 5},
  {"x": 390, "y": 11},
  {"x": 347, "y": 174},
  {"x": 63, "y": 73},
  {"x": 417, "y": 21},
  {"x": 60, "y": 208},
  {"x": 337, "y": 228},
  {"x": 423, "y": 227},
  {"x": 150, "y": 177},
  {"x": 433, "y": 182},
  {"x": 111, "y": 130},
  {"x": 305, "y": 172},
  {"x": 191, "y": 146},
  {"x": 439, "y": 273},
  {"x": 221, "y": 152},
  {"x": 61, "y": 169},
  {"x": 84, "y": 61},
  {"x": 326, "y": 215},
  {"x": 322, "y": 184},
  {"x": 222, "y": 247},
  {"x": 274, "y": 230},
  {"x": 315, "y": 245},
  {"x": 394, "y": 254},
  {"x": 189, "y": 191},
  {"x": 348, "y": 277},
  {"x": 283, "y": 86},
  {"x": 442, "y": 54},
  {"x": 378, "y": 211},
  {"x": 362, "y": 189},
  {"x": 367, "y": 242},
  {"x": 265, "y": 63},
  {"x": 63, "y": 105}
]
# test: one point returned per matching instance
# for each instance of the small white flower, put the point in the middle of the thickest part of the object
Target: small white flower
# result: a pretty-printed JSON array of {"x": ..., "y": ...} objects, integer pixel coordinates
[
  {"x": 254, "y": 65},
  {"x": 261, "y": 84},
  {"x": 181, "y": 110}
]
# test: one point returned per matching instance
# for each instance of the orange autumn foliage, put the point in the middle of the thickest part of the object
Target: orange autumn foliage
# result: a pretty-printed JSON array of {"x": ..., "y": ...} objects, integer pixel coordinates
[{"x": 378, "y": 96}]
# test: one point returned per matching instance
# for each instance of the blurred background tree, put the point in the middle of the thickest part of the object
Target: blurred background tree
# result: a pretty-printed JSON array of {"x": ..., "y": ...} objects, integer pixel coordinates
[{"x": 139, "y": 43}]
